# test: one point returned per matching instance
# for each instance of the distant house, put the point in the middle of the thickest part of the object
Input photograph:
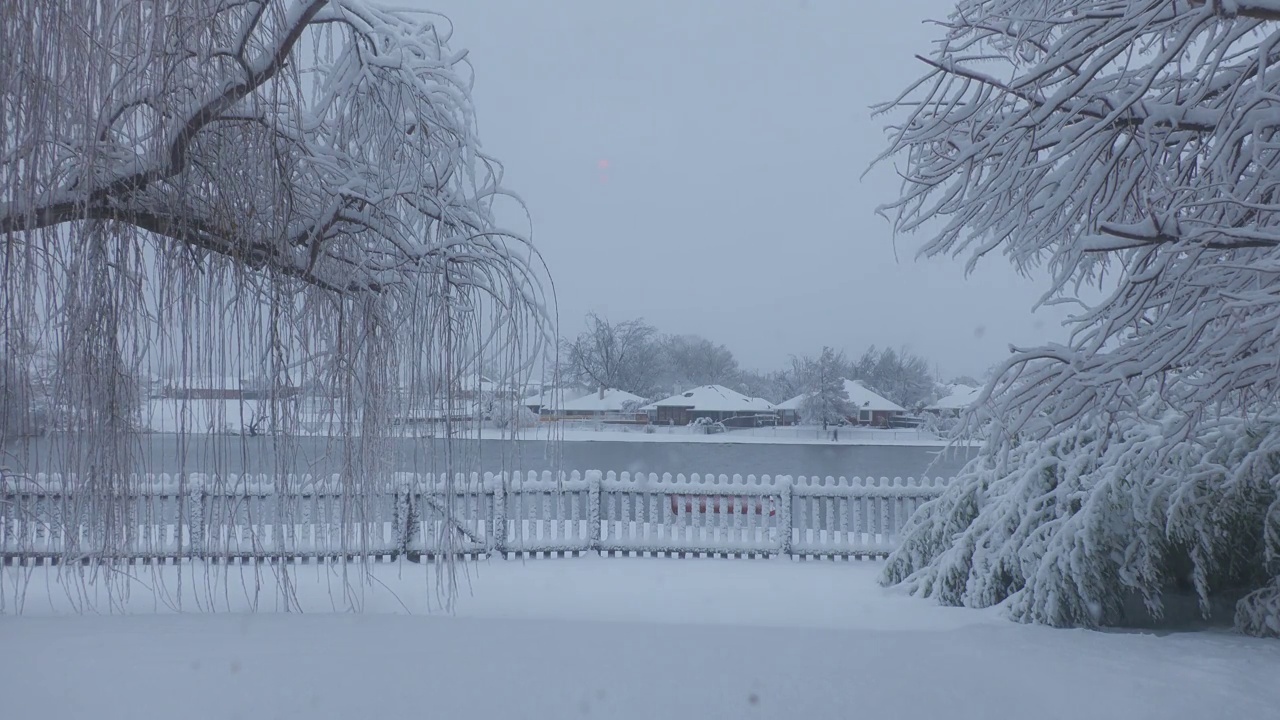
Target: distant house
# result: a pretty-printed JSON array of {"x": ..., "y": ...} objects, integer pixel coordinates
[
  {"x": 715, "y": 402},
  {"x": 477, "y": 386},
  {"x": 789, "y": 410},
  {"x": 956, "y": 402},
  {"x": 608, "y": 404},
  {"x": 604, "y": 403},
  {"x": 225, "y": 388},
  {"x": 870, "y": 408},
  {"x": 550, "y": 398}
]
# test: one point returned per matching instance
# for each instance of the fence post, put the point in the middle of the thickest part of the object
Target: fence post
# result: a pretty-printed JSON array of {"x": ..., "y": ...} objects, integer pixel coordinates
[
  {"x": 498, "y": 531},
  {"x": 196, "y": 512},
  {"x": 593, "y": 509},
  {"x": 784, "y": 514}
]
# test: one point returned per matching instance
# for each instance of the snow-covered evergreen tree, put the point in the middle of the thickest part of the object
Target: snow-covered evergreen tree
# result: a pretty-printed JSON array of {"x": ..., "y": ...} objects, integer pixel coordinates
[
  {"x": 1127, "y": 144},
  {"x": 826, "y": 400}
]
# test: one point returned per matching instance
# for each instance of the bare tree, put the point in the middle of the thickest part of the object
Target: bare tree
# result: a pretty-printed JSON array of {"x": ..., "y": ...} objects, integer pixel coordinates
[
  {"x": 775, "y": 386},
  {"x": 621, "y": 355},
  {"x": 692, "y": 360},
  {"x": 899, "y": 375},
  {"x": 1128, "y": 144},
  {"x": 226, "y": 186}
]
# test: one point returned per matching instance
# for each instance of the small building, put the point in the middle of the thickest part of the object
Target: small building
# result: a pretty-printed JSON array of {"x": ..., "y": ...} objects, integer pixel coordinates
[
  {"x": 716, "y": 403},
  {"x": 871, "y": 408},
  {"x": 959, "y": 399}
]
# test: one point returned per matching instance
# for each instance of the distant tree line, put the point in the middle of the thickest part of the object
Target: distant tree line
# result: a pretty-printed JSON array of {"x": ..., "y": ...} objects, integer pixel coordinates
[{"x": 633, "y": 355}]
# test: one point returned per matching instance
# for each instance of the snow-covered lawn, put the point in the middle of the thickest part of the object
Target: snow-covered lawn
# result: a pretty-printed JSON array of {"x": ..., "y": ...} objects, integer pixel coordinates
[{"x": 608, "y": 638}]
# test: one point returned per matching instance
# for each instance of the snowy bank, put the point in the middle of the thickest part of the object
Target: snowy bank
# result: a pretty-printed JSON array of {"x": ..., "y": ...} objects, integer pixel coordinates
[{"x": 237, "y": 416}]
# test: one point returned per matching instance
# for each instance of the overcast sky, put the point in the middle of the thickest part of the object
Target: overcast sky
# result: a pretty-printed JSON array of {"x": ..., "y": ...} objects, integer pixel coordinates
[{"x": 697, "y": 163}]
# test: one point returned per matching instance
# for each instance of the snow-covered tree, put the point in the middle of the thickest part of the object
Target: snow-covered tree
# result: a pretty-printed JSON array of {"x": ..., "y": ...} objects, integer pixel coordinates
[
  {"x": 224, "y": 187},
  {"x": 1104, "y": 521},
  {"x": 826, "y": 399},
  {"x": 775, "y": 386},
  {"x": 1128, "y": 145},
  {"x": 623, "y": 355},
  {"x": 509, "y": 414},
  {"x": 898, "y": 375}
]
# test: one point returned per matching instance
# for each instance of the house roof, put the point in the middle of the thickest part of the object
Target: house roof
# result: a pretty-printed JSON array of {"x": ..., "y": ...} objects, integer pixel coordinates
[
  {"x": 859, "y": 396},
  {"x": 714, "y": 398},
  {"x": 864, "y": 399},
  {"x": 960, "y": 398},
  {"x": 554, "y": 397},
  {"x": 476, "y": 381},
  {"x": 613, "y": 401}
]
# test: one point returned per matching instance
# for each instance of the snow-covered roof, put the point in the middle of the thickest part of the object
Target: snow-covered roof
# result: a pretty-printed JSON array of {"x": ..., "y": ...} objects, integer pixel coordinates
[
  {"x": 476, "y": 381},
  {"x": 613, "y": 401},
  {"x": 859, "y": 396},
  {"x": 553, "y": 397},
  {"x": 960, "y": 398},
  {"x": 864, "y": 399},
  {"x": 714, "y": 398}
]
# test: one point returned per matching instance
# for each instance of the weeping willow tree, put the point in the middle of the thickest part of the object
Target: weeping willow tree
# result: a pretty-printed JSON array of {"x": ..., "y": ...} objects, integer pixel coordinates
[
  {"x": 286, "y": 189},
  {"x": 1132, "y": 146}
]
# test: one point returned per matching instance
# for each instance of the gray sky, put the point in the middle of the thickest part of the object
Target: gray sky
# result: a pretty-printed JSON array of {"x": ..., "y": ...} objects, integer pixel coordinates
[{"x": 697, "y": 163}]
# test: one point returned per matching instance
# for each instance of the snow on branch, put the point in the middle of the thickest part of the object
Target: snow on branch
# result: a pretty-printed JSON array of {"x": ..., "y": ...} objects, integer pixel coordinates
[
  {"x": 1131, "y": 146},
  {"x": 1127, "y": 144},
  {"x": 288, "y": 196},
  {"x": 327, "y": 140}
]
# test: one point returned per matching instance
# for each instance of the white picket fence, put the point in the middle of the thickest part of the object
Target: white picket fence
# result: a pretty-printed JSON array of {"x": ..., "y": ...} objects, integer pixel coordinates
[{"x": 49, "y": 518}]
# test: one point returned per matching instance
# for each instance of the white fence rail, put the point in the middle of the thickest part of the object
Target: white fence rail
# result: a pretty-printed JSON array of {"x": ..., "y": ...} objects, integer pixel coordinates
[{"x": 49, "y": 518}]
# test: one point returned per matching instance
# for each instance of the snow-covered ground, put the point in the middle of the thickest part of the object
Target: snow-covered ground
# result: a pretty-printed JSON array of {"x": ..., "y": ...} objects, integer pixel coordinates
[{"x": 611, "y": 638}]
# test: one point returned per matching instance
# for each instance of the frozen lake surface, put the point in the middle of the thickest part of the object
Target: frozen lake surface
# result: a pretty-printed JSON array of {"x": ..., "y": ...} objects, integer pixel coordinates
[{"x": 238, "y": 454}]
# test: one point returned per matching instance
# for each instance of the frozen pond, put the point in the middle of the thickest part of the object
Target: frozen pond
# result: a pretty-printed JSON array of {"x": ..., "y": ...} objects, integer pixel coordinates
[{"x": 235, "y": 454}]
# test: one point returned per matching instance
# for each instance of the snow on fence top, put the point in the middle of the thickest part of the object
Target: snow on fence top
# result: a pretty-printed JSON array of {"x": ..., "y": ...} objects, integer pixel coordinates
[
  {"x": 214, "y": 517},
  {"x": 545, "y": 481}
]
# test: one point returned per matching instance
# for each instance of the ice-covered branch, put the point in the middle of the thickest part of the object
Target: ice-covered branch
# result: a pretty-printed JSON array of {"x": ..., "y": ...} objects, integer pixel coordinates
[
  {"x": 1131, "y": 146},
  {"x": 199, "y": 189}
]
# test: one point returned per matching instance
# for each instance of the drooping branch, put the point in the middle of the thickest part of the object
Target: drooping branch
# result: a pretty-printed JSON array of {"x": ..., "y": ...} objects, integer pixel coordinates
[
  {"x": 282, "y": 195},
  {"x": 375, "y": 164}
]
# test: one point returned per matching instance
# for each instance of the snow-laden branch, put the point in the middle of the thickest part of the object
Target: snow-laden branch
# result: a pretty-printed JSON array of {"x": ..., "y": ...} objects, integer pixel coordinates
[
  {"x": 1132, "y": 146},
  {"x": 328, "y": 140},
  {"x": 288, "y": 193},
  {"x": 1131, "y": 143}
]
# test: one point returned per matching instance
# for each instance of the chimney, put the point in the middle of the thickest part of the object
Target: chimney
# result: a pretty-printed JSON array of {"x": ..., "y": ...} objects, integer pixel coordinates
[{"x": 601, "y": 392}]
